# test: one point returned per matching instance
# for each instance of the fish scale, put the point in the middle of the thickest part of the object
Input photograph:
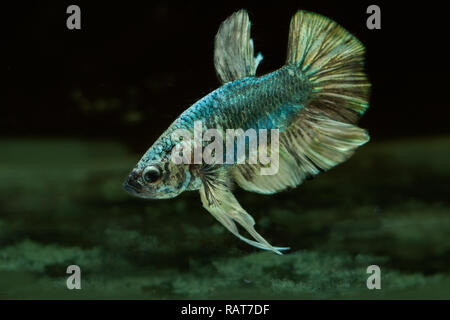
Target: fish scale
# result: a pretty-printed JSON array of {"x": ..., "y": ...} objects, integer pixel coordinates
[{"x": 245, "y": 102}]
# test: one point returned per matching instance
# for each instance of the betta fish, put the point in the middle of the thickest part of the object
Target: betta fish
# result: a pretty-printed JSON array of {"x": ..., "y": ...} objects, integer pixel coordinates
[{"x": 314, "y": 101}]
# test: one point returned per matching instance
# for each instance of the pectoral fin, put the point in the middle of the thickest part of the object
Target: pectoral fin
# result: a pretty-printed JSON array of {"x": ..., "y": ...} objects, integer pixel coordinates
[{"x": 221, "y": 203}]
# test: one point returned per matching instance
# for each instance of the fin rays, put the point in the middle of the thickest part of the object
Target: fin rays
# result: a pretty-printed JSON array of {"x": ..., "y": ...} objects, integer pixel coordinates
[
  {"x": 309, "y": 146},
  {"x": 322, "y": 135},
  {"x": 331, "y": 58},
  {"x": 233, "y": 52},
  {"x": 222, "y": 205}
]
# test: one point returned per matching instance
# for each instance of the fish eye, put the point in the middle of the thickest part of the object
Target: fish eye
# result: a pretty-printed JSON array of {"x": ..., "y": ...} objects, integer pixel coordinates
[{"x": 151, "y": 174}]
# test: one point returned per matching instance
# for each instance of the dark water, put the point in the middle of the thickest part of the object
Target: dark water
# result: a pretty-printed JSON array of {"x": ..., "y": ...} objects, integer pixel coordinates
[{"x": 62, "y": 203}]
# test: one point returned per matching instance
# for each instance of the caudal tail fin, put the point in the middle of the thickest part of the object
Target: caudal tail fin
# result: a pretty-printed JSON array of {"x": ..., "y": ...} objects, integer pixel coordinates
[
  {"x": 333, "y": 61},
  {"x": 324, "y": 133}
]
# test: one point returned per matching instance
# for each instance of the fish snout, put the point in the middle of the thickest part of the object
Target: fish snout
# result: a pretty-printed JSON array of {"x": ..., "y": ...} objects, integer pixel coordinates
[{"x": 131, "y": 184}]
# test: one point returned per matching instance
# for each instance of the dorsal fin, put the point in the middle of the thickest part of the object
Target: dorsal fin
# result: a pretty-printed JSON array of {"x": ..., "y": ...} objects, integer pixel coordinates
[{"x": 233, "y": 52}]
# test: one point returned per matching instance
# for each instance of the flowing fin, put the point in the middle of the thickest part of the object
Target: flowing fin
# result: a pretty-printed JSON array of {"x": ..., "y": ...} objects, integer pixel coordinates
[
  {"x": 312, "y": 144},
  {"x": 323, "y": 134},
  {"x": 233, "y": 53},
  {"x": 221, "y": 203},
  {"x": 333, "y": 61}
]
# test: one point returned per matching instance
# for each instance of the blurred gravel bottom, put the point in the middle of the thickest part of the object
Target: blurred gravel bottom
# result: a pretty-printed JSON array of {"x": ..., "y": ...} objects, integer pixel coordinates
[{"x": 62, "y": 203}]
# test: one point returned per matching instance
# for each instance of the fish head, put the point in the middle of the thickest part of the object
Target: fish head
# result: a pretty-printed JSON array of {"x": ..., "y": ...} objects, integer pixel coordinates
[{"x": 162, "y": 179}]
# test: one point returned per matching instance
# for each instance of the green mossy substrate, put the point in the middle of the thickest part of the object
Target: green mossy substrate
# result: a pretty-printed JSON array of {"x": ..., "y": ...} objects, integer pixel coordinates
[{"x": 62, "y": 203}]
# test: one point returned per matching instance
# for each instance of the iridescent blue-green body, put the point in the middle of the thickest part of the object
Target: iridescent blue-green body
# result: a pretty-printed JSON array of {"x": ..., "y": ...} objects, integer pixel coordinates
[
  {"x": 268, "y": 102},
  {"x": 265, "y": 102},
  {"x": 314, "y": 102}
]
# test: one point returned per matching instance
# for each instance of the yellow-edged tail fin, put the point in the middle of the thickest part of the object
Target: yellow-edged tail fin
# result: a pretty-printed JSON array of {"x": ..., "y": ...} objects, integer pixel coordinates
[
  {"x": 333, "y": 61},
  {"x": 324, "y": 132}
]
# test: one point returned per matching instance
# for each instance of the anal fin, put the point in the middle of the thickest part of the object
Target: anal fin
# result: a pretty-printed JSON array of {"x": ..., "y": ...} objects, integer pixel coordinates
[{"x": 311, "y": 144}]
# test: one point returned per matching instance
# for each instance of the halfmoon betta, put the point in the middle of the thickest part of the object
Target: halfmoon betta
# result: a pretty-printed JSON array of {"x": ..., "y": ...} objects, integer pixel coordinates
[{"x": 315, "y": 101}]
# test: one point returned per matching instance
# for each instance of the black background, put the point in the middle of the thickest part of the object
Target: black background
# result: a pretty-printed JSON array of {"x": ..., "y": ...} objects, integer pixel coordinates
[
  {"x": 172, "y": 309},
  {"x": 157, "y": 56}
]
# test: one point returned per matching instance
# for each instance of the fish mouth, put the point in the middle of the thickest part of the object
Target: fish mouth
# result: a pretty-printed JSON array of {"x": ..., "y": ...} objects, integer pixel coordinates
[
  {"x": 130, "y": 189},
  {"x": 131, "y": 186}
]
